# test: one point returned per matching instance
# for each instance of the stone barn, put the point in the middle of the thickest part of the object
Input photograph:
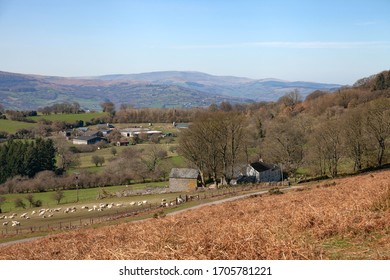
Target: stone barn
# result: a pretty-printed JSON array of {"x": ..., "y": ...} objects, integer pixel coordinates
[{"x": 183, "y": 179}]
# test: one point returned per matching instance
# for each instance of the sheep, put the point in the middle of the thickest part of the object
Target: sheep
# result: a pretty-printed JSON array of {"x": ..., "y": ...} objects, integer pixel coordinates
[
  {"x": 27, "y": 218},
  {"x": 57, "y": 209},
  {"x": 179, "y": 200},
  {"x": 2, "y": 217},
  {"x": 139, "y": 203},
  {"x": 33, "y": 212},
  {"x": 132, "y": 203},
  {"x": 50, "y": 215},
  {"x": 15, "y": 223},
  {"x": 12, "y": 216},
  {"x": 5, "y": 223},
  {"x": 118, "y": 204},
  {"x": 89, "y": 210},
  {"x": 84, "y": 207},
  {"x": 23, "y": 215},
  {"x": 144, "y": 202},
  {"x": 42, "y": 213},
  {"x": 164, "y": 203}
]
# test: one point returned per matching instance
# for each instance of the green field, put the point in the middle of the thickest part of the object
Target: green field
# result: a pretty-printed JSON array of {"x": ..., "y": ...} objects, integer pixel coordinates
[
  {"x": 13, "y": 126},
  {"x": 70, "y": 196},
  {"x": 69, "y": 117}
]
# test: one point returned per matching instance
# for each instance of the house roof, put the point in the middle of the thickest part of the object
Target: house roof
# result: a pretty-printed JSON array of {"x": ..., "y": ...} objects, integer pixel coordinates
[
  {"x": 262, "y": 166},
  {"x": 135, "y": 129},
  {"x": 86, "y": 138},
  {"x": 184, "y": 173}
]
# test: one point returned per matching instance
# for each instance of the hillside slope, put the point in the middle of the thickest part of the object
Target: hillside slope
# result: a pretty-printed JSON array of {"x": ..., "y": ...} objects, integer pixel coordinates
[
  {"x": 156, "y": 89},
  {"x": 337, "y": 219}
]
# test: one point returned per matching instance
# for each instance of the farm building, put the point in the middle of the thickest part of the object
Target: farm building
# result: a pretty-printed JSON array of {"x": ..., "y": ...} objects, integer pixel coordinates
[
  {"x": 131, "y": 132},
  {"x": 136, "y": 132},
  {"x": 87, "y": 140},
  {"x": 263, "y": 172},
  {"x": 183, "y": 179}
]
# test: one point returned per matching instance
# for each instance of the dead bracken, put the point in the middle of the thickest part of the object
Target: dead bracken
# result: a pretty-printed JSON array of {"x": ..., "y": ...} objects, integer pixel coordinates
[{"x": 296, "y": 225}]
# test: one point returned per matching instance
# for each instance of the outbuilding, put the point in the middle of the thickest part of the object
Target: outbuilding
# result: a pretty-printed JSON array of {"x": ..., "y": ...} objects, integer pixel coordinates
[
  {"x": 183, "y": 179},
  {"x": 87, "y": 140}
]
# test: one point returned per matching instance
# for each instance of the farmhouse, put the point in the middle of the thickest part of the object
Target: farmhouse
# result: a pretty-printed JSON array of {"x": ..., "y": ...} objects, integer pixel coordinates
[
  {"x": 263, "y": 172},
  {"x": 87, "y": 140},
  {"x": 183, "y": 179}
]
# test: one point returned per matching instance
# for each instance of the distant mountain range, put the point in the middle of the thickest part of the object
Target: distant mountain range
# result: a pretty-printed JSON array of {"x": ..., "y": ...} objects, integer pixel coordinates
[{"x": 155, "y": 89}]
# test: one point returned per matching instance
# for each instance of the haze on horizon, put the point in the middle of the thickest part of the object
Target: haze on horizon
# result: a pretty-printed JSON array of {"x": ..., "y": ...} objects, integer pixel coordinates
[{"x": 330, "y": 42}]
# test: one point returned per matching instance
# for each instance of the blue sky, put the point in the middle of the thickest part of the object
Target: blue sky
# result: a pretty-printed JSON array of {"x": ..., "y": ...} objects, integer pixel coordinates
[{"x": 321, "y": 41}]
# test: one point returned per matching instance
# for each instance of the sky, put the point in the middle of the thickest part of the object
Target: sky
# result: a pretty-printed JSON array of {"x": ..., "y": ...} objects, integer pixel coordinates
[{"x": 333, "y": 41}]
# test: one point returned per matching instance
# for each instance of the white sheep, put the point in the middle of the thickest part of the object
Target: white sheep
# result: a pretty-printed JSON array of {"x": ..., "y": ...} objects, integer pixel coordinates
[
  {"x": 12, "y": 216},
  {"x": 23, "y": 215},
  {"x": 84, "y": 207},
  {"x": 5, "y": 223},
  {"x": 144, "y": 202},
  {"x": 118, "y": 204},
  {"x": 2, "y": 217},
  {"x": 33, "y": 212},
  {"x": 15, "y": 223},
  {"x": 132, "y": 203}
]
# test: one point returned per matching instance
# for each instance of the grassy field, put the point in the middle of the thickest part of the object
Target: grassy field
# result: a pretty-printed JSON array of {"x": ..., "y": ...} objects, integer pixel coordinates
[
  {"x": 70, "y": 196},
  {"x": 345, "y": 218},
  {"x": 69, "y": 117},
  {"x": 13, "y": 126}
]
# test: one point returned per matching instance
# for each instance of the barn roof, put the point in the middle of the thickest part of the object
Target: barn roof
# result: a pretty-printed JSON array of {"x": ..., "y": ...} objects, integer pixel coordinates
[
  {"x": 184, "y": 173},
  {"x": 86, "y": 138}
]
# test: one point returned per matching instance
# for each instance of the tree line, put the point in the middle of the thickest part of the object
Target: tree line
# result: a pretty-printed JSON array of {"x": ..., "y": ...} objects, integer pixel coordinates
[{"x": 26, "y": 158}]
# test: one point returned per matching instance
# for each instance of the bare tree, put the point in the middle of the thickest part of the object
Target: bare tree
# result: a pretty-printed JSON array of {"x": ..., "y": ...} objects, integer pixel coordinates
[
  {"x": 378, "y": 125},
  {"x": 284, "y": 143},
  {"x": 67, "y": 158},
  {"x": 213, "y": 143},
  {"x": 354, "y": 136},
  {"x": 2, "y": 200},
  {"x": 58, "y": 196}
]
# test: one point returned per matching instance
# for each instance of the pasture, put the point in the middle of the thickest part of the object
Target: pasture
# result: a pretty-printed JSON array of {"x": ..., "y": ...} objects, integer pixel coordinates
[
  {"x": 13, "y": 126},
  {"x": 88, "y": 211},
  {"x": 71, "y": 118}
]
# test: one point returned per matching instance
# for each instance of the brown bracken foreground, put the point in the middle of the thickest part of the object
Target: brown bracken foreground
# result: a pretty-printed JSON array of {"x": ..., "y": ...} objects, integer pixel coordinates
[{"x": 345, "y": 218}]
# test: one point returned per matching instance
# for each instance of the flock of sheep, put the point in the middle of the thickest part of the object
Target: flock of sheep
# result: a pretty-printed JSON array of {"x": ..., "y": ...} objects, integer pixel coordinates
[{"x": 48, "y": 213}]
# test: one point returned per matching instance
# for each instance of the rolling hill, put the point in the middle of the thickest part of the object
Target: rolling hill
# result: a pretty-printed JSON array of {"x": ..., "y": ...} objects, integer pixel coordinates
[{"x": 155, "y": 89}]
